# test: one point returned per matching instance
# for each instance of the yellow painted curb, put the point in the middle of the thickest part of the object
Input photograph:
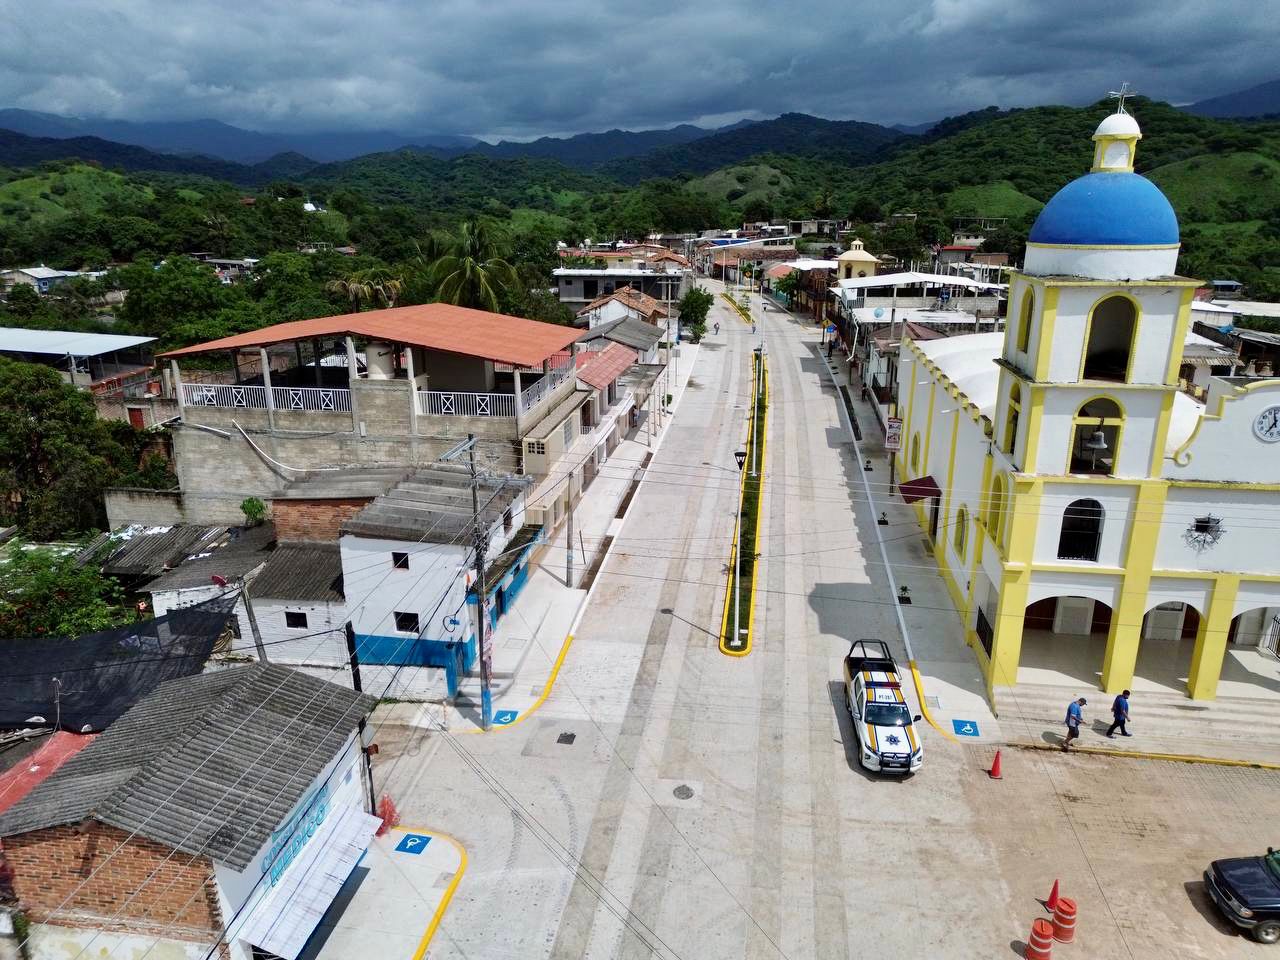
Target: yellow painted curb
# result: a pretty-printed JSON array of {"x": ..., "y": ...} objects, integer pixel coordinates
[
  {"x": 737, "y": 528},
  {"x": 764, "y": 439},
  {"x": 924, "y": 706},
  {"x": 746, "y": 317},
  {"x": 1140, "y": 755},
  {"x": 448, "y": 893}
]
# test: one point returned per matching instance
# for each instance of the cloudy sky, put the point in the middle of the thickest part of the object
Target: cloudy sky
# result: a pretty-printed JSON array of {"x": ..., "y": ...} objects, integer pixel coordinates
[{"x": 522, "y": 68}]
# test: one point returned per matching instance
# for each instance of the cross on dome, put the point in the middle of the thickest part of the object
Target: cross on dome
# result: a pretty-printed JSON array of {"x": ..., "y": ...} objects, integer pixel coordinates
[{"x": 1119, "y": 95}]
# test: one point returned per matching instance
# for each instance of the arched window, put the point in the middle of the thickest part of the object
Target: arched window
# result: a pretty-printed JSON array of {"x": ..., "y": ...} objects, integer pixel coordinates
[
  {"x": 915, "y": 451},
  {"x": 1110, "y": 345},
  {"x": 1081, "y": 531},
  {"x": 1024, "y": 320},
  {"x": 995, "y": 508},
  {"x": 1095, "y": 441},
  {"x": 1011, "y": 415},
  {"x": 961, "y": 536}
]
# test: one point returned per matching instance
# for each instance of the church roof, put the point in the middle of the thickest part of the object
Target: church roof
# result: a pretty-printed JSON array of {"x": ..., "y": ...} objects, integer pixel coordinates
[{"x": 1107, "y": 209}]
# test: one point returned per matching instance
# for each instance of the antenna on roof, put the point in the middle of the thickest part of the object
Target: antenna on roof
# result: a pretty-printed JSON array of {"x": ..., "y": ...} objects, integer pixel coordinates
[{"x": 1119, "y": 95}]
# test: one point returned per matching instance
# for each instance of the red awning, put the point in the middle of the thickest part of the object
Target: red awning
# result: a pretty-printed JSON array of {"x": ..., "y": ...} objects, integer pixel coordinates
[{"x": 920, "y": 489}]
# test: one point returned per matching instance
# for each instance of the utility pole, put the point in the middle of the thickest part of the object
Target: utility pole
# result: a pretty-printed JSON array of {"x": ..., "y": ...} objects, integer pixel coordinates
[
  {"x": 353, "y": 660},
  {"x": 568, "y": 541},
  {"x": 468, "y": 446}
]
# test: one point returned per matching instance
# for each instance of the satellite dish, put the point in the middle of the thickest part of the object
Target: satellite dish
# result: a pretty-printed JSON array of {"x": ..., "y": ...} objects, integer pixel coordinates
[{"x": 879, "y": 312}]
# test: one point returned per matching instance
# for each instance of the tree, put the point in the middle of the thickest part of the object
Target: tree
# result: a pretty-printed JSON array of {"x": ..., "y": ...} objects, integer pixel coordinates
[
  {"x": 55, "y": 455},
  {"x": 824, "y": 202},
  {"x": 694, "y": 307},
  {"x": 787, "y": 285},
  {"x": 44, "y": 593},
  {"x": 467, "y": 268},
  {"x": 178, "y": 293},
  {"x": 377, "y": 286}
]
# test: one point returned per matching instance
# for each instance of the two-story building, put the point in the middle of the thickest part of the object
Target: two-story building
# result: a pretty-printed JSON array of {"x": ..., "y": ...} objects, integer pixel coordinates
[
  {"x": 1088, "y": 514},
  {"x": 431, "y": 375}
]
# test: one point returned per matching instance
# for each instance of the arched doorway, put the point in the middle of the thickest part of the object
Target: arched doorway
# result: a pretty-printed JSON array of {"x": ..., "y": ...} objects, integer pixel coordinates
[
  {"x": 1064, "y": 639},
  {"x": 1110, "y": 345},
  {"x": 1166, "y": 645},
  {"x": 1251, "y": 666}
]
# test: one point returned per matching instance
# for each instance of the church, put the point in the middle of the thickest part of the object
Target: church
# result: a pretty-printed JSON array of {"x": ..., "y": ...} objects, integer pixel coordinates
[{"x": 1088, "y": 514}]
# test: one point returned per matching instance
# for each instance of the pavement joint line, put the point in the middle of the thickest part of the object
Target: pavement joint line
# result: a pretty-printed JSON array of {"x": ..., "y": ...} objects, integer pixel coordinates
[
  {"x": 924, "y": 703},
  {"x": 449, "y": 891},
  {"x": 1144, "y": 755},
  {"x": 586, "y": 600}
]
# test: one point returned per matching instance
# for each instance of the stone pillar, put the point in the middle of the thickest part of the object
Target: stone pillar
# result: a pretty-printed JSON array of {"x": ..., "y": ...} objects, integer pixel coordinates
[
  {"x": 413, "y": 391},
  {"x": 266, "y": 386},
  {"x": 1211, "y": 639},
  {"x": 518, "y": 404},
  {"x": 177, "y": 386},
  {"x": 1126, "y": 617},
  {"x": 353, "y": 372}
]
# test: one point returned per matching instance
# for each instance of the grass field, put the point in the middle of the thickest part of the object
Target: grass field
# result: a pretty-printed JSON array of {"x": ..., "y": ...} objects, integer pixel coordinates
[
  {"x": 743, "y": 183},
  {"x": 998, "y": 199},
  {"x": 1220, "y": 189},
  {"x": 78, "y": 189}
]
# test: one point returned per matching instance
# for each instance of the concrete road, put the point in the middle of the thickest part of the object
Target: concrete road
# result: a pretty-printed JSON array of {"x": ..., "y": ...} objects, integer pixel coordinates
[{"x": 669, "y": 801}]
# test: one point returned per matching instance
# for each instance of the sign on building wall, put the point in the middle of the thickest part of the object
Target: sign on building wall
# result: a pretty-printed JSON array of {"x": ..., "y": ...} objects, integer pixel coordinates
[{"x": 893, "y": 433}]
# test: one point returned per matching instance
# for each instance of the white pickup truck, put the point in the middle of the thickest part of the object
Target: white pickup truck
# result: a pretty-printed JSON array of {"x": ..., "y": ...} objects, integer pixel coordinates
[{"x": 888, "y": 741}]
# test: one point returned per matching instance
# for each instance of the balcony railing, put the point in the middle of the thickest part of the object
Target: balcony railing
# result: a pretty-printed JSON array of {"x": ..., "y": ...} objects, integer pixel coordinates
[
  {"x": 534, "y": 393},
  {"x": 286, "y": 399},
  {"x": 234, "y": 396},
  {"x": 333, "y": 399},
  {"x": 440, "y": 403}
]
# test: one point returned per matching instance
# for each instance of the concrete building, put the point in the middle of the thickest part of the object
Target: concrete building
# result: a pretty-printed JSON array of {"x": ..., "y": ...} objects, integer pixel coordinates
[
  {"x": 857, "y": 261},
  {"x": 220, "y": 814},
  {"x": 42, "y": 279},
  {"x": 433, "y": 375},
  {"x": 301, "y": 610},
  {"x": 577, "y": 287},
  {"x": 623, "y": 303},
  {"x": 1083, "y": 509},
  {"x": 101, "y": 362},
  {"x": 640, "y": 336}
]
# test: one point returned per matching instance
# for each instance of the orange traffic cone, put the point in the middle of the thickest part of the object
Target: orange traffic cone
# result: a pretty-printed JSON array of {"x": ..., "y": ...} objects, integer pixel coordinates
[
  {"x": 994, "y": 772},
  {"x": 1052, "y": 903},
  {"x": 1064, "y": 920},
  {"x": 1040, "y": 946},
  {"x": 389, "y": 814}
]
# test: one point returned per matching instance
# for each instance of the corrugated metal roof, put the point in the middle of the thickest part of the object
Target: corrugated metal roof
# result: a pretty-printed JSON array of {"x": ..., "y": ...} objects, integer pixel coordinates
[
  {"x": 234, "y": 553},
  {"x": 434, "y": 506},
  {"x": 60, "y": 343},
  {"x": 433, "y": 326},
  {"x": 301, "y": 570},
  {"x": 138, "y": 550},
  {"x": 209, "y": 764},
  {"x": 628, "y": 331},
  {"x": 603, "y": 368}
]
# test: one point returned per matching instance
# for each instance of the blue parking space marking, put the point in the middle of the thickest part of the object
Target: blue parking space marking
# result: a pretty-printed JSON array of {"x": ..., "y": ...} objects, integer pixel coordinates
[
  {"x": 413, "y": 843},
  {"x": 964, "y": 728},
  {"x": 503, "y": 717}
]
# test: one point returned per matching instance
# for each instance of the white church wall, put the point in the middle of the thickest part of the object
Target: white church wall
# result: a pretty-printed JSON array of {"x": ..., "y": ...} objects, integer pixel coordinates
[
  {"x": 1250, "y": 523},
  {"x": 1156, "y": 324},
  {"x": 1104, "y": 588},
  {"x": 1057, "y": 430},
  {"x": 1224, "y": 447},
  {"x": 1117, "y": 508}
]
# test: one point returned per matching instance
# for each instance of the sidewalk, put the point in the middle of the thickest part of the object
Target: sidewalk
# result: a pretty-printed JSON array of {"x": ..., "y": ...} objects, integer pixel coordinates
[{"x": 531, "y": 639}]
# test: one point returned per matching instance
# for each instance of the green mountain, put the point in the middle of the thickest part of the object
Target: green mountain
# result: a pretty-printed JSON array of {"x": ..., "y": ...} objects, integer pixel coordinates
[
  {"x": 1260, "y": 101},
  {"x": 75, "y": 188},
  {"x": 19, "y": 150},
  {"x": 797, "y": 134}
]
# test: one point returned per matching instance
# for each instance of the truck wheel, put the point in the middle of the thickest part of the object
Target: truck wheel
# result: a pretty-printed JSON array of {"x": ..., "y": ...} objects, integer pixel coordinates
[{"x": 1267, "y": 932}]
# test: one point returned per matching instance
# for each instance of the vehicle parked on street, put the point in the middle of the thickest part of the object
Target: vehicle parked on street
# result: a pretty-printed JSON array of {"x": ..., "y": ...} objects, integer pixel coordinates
[
  {"x": 1247, "y": 892},
  {"x": 888, "y": 741}
]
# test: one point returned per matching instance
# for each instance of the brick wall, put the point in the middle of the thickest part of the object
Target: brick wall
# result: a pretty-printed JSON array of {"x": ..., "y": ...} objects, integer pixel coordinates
[
  {"x": 313, "y": 519},
  {"x": 49, "y": 864}
]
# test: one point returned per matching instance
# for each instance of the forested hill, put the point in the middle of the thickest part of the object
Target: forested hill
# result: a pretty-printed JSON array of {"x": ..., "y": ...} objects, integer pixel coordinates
[{"x": 846, "y": 141}]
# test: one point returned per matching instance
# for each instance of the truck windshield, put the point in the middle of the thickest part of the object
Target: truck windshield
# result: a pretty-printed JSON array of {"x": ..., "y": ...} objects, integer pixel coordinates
[
  {"x": 1273, "y": 863},
  {"x": 887, "y": 715}
]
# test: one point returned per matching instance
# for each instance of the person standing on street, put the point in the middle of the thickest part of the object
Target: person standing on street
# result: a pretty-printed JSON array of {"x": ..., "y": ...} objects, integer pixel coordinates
[
  {"x": 717, "y": 328},
  {"x": 1119, "y": 716},
  {"x": 1075, "y": 717}
]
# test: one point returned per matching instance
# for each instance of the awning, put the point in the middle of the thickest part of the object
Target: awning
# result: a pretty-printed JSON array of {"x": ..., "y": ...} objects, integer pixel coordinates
[
  {"x": 284, "y": 919},
  {"x": 919, "y": 489}
]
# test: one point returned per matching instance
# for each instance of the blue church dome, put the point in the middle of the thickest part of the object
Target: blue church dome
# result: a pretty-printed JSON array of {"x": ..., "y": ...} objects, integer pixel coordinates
[{"x": 1107, "y": 209}]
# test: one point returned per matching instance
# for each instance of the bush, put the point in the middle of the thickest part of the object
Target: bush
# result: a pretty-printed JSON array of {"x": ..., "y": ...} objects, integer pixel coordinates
[{"x": 254, "y": 510}]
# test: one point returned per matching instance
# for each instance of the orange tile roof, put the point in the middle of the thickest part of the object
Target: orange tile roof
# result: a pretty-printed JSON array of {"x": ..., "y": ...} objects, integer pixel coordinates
[
  {"x": 604, "y": 367},
  {"x": 640, "y": 302},
  {"x": 433, "y": 326}
]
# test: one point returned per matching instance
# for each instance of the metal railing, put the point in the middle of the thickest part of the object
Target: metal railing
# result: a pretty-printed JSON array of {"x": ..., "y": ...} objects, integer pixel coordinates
[
  {"x": 224, "y": 395},
  {"x": 336, "y": 399},
  {"x": 533, "y": 394},
  {"x": 440, "y": 403}
]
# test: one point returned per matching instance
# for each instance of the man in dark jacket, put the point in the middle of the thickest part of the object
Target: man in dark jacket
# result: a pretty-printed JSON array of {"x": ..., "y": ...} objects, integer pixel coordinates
[{"x": 1119, "y": 715}]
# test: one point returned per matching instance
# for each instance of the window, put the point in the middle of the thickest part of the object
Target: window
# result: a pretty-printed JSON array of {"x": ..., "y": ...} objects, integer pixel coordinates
[
  {"x": 1024, "y": 321},
  {"x": 566, "y": 430},
  {"x": 1095, "y": 441},
  {"x": 608, "y": 287},
  {"x": 536, "y": 447},
  {"x": 1081, "y": 531},
  {"x": 995, "y": 508},
  {"x": 506, "y": 520},
  {"x": 1011, "y": 420},
  {"x": 915, "y": 451},
  {"x": 961, "y": 532},
  {"x": 406, "y": 622},
  {"x": 1111, "y": 331},
  {"x": 295, "y": 620},
  {"x": 399, "y": 560},
  {"x": 590, "y": 289}
]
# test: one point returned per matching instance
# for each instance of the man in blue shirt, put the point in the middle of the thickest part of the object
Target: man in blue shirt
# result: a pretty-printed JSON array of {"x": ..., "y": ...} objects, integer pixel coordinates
[
  {"x": 1119, "y": 716},
  {"x": 1075, "y": 717}
]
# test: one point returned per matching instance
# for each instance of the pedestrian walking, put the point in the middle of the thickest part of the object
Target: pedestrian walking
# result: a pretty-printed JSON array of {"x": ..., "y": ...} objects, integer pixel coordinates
[
  {"x": 830, "y": 343},
  {"x": 753, "y": 328},
  {"x": 1075, "y": 717},
  {"x": 1119, "y": 716},
  {"x": 717, "y": 328}
]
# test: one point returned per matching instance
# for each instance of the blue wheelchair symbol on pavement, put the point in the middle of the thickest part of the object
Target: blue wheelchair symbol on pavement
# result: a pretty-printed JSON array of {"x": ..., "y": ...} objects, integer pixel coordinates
[
  {"x": 413, "y": 843},
  {"x": 504, "y": 717},
  {"x": 964, "y": 728}
]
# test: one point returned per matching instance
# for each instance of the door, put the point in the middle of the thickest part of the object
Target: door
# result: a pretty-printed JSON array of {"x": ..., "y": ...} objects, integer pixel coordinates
[
  {"x": 1271, "y": 637},
  {"x": 933, "y": 519},
  {"x": 1165, "y": 621},
  {"x": 137, "y": 418}
]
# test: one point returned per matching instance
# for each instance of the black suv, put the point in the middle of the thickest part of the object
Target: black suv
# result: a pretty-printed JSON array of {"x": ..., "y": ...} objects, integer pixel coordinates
[{"x": 1247, "y": 891}]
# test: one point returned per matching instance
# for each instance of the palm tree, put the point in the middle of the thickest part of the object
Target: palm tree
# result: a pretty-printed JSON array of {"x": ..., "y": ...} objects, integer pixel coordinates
[
  {"x": 467, "y": 268},
  {"x": 377, "y": 285},
  {"x": 823, "y": 201}
]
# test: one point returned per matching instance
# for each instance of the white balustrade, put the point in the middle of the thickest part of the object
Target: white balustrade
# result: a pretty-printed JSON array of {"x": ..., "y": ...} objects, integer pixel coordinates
[
  {"x": 324, "y": 399},
  {"x": 443, "y": 403},
  {"x": 235, "y": 396}
]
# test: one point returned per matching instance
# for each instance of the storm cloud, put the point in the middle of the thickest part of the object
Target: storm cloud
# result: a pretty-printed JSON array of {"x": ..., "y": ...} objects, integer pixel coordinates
[{"x": 519, "y": 69}]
